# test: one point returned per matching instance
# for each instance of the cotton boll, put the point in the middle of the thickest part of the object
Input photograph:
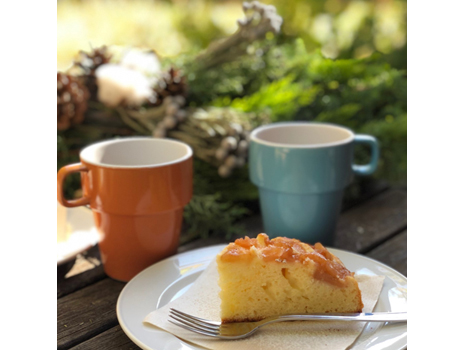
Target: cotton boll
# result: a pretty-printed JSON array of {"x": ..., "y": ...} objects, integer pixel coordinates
[
  {"x": 141, "y": 92},
  {"x": 118, "y": 84},
  {"x": 146, "y": 62},
  {"x": 110, "y": 90}
]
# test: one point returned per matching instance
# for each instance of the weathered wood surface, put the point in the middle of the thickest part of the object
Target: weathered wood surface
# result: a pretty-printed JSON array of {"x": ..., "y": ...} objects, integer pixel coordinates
[
  {"x": 364, "y": 227},
  {"x": 87, "y": 312},
  {"x": 88, "y": 277},
  {"x": 393, "y": 253},
  {"x": 87, "y": 303},
  {"x": 112, "y": 339}
]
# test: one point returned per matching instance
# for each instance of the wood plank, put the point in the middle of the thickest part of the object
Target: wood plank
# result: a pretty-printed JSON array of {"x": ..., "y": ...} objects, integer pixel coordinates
[
  {"x": 80, "y": 281},
  {"x": 393, "y": 253},
  {"x": 87, "y": 312},
  {"x": 359, "y": 229},
  {"x": 112, "y": 339},
  {"x": 362, "y": 228},
  {"x": 68, "y": 285},
  {"x": 358, "y": 193}
]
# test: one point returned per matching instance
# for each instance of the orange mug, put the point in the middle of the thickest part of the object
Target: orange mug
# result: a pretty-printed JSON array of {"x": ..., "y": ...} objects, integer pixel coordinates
[{"x": 137, "y": 189}]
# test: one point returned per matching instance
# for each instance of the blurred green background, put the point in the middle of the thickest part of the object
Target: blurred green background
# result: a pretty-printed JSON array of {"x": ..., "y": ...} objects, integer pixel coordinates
[
  {"x": 338, "y": 61},
  {"x": 341, "y": 28},
  {"x": 368, "y": 95}
]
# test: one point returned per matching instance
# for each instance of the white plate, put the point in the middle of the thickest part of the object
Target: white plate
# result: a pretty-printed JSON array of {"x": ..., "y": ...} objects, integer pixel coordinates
[
  {"x": 166, "y": 280},
  {"x": 82, "y": 234}
]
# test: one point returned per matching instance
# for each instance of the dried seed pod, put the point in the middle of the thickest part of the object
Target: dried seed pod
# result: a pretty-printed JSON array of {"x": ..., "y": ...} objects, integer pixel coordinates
[
  {"x": 179, "y": 100},
  {"x": 171, "y": 108},
  {"x": 230, "y": 161},
  {"x": 236, "y": 129},
  {"x": 159, "y": 132},
  {"x": 221, "y": 154},
  {"x": 229, "y": 143},
  {"x": 242, "y": 147},
  {"x": 168, "y": 100},
  {"x": 246, "y": 136},
  {"x": 224, "y": 171},
  {"x": 181, "y": 115},
  {"x": 72, "y": 97},
  {"x": 169, "y": 122},
  {"x": 240, "y": 162}
]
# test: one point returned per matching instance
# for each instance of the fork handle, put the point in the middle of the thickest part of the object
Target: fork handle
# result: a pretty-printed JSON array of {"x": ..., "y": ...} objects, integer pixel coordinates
[{"x": 363, "y": 316}]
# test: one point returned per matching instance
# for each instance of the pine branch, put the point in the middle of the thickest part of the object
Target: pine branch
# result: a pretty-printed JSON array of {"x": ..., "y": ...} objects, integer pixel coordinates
[{"x": 260, "y": 19}]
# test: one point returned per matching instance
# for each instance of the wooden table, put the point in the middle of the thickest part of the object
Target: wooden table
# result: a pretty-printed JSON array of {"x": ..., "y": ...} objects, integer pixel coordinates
[{"x": 375, "y": 226}]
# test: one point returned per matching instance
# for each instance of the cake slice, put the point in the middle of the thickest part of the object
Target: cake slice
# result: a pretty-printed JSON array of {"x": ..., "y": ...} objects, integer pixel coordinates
[{"x": 260, "y": 277}]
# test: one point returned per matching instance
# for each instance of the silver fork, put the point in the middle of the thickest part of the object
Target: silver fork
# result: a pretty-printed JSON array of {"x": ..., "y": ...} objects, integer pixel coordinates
[{"x": 239, "y": 330}]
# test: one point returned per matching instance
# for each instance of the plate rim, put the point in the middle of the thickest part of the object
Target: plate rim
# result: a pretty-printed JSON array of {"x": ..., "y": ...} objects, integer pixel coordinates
[
  {"x": 220, "y": 246},
  {"x": 120, "y": 296}
]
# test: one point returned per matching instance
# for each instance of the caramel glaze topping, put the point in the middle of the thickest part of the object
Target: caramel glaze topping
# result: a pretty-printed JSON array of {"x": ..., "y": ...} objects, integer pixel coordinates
[{"x": 285, "y": 250}]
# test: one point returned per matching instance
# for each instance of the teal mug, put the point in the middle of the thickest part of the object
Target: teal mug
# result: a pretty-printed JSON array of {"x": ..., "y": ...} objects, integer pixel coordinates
[{"x": 301, "y": 170}]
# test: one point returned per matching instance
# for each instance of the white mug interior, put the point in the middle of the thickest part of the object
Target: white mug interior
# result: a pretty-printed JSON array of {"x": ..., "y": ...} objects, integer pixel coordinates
[
  {"x": 137, "y": 152},
  {"x": 302, "y": 135}
]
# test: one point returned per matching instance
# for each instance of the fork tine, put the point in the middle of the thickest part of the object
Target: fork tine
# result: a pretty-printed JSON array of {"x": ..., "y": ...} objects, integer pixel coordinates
[
  {"x": 196, "y": 330},
  {"x": 195, "y": 325},
  {"x": 195, "y": 319}
]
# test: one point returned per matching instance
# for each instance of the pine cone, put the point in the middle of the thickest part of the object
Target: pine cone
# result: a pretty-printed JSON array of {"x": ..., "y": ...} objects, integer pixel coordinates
[
  {"x": 72, "y": 98},
  {"x": 172, "y": 83},
  {"x": 89, "y": 62}
]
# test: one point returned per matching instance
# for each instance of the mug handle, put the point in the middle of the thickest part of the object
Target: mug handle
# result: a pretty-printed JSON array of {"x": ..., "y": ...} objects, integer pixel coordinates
[
  {"x": 62, "y": 173},
  {"x": 367, "y": 169}
]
